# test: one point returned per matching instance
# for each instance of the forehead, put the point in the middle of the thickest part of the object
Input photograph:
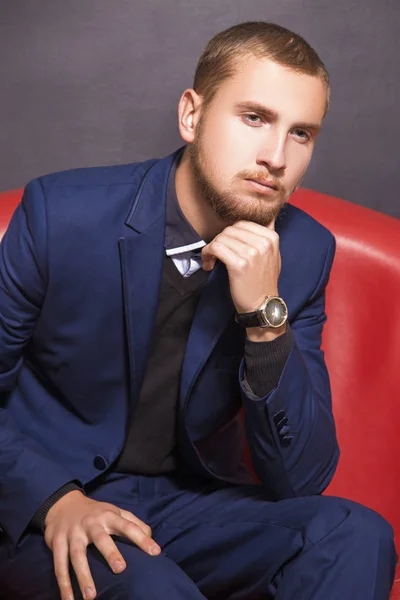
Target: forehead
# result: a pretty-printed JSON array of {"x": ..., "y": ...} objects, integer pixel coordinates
[{"x": 295, "y": 95}]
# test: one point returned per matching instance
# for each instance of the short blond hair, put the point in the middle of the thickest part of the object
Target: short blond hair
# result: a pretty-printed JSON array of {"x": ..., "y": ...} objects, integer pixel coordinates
[{"x": 262, "y": 40}]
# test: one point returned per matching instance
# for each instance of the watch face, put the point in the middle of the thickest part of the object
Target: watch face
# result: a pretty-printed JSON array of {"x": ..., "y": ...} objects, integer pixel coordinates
[{"x": 275, "y": 312}]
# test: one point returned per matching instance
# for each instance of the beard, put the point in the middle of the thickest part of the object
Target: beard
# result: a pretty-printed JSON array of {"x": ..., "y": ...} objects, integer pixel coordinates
[{"x": 227, "y": 204}]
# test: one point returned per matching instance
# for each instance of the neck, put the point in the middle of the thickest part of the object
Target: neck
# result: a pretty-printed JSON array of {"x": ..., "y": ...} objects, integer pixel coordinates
[{"x": 192, "y": 203}]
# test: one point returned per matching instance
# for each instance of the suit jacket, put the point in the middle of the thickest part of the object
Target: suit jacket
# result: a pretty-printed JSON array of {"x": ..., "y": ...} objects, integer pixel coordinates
[{"x": 80, "y": 270}]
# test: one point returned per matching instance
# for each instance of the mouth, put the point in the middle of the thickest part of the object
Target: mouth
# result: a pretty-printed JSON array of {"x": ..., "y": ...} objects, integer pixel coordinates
[{"x": 263, "y": 185}]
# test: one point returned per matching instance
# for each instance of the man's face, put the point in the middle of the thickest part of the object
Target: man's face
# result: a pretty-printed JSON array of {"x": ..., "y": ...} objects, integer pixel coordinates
[{"x": 254, "y": 141}]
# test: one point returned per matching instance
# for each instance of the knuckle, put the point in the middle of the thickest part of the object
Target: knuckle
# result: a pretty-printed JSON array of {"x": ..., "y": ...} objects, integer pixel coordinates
[
  {"x": 77, "y": 548},
  {"x": 139, "y": 536},
  {"x": 57, "y": 543},
  {"x": 143, "y": 536},
  {"x": 209, "y": 251},
  {"x": 75, "y": 531},
  {"x": 101, "y": 537},
  {"x": 147, "y": 530},
  {"x": 132, "y": 528},
  {"x": 87, "y": 521},
  {"x": 274, "y": 238},
  {"x": 267, "y": 243},
  {"x": 108, "y": 513},
  {"x": 65, "y": 589},
  {"x": 62, "y": 577},
  {"x": 75, "y": 554},
  {"x": 253, "y": 252}
]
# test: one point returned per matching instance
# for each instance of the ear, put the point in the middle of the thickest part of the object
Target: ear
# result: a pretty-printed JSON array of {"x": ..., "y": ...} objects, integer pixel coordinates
[{"x": 189, "y": 110}]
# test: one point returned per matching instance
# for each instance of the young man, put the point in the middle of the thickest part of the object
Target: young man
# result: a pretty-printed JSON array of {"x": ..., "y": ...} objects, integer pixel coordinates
[{"x": 125, "y": 366}]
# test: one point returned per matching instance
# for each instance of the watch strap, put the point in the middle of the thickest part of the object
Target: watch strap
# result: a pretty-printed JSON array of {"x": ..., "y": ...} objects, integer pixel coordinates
[{"x": 251, "y": 319}]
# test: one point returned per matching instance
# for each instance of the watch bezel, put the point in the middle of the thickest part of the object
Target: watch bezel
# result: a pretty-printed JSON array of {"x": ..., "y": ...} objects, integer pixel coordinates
[{"x": 262, "y": 312}]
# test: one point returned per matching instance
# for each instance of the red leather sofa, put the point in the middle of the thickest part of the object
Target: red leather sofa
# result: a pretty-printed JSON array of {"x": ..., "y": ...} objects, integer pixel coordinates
[{"x": 362, "y": 347}]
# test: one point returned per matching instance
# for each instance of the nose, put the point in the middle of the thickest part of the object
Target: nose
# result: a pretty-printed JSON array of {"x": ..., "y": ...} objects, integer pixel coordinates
[{"x": 272, "y": 152}]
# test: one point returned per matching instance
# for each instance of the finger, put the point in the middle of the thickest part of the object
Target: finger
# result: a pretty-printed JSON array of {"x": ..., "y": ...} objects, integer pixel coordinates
[
  {"x": 120, "y": 526},
  {"x": 228, "y": 256},
  {"x": 208, "y": 265},
  {"x": 79, "y": 561},
  {"x": 61, "y": 568},
  {"x": 261, "y": 242},
  {"x": 208, "y": 258},
  {"x": 252, "y": 234},
  {"x": 232, "y": 242},
  {"x": 107, "y": 547},
  {"x": 131, "y": 517},
  {"x": 240, "y": 248}
]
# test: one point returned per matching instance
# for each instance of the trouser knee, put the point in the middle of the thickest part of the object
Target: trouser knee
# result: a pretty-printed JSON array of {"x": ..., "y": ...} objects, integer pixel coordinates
[
  {"x": 368, "y": 527},
  {"x": 357, "y": 524}
]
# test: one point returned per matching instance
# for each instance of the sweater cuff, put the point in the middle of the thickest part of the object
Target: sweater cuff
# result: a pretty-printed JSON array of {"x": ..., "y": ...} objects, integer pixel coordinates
[
  {"x": 264, "y": 363},
  {"x": 40, "y": 516}
]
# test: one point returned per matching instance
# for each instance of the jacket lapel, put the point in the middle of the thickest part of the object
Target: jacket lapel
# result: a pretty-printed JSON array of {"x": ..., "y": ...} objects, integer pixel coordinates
[
  {"x": 288, "y": 256},
  {"x": 141, "y": 254},
  {"x": 213, "y": 313}
]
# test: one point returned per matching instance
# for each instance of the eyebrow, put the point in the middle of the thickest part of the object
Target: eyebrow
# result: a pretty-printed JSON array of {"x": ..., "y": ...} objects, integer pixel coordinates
[{"x": 273, "y": 115}]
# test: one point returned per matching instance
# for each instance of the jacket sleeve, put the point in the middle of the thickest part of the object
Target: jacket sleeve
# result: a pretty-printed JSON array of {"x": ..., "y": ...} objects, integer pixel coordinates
[
  {"x": 28, "y": 474},
  {"x": 291, "y": 431}
]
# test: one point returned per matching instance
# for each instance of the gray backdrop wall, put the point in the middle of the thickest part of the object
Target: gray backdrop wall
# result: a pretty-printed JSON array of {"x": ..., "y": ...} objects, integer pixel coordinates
[{"x": 89, "y": 82}]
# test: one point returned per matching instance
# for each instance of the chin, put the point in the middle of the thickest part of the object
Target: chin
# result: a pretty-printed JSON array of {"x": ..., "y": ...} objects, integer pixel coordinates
[{"x": 261, "y": 211}]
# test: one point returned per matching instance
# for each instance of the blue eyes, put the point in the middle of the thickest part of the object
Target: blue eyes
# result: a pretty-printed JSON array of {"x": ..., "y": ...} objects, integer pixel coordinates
[
  {"x": 253, "y": 119},
  {"x": 256, "y": 121},
  {"x": 302, "y": 134}
]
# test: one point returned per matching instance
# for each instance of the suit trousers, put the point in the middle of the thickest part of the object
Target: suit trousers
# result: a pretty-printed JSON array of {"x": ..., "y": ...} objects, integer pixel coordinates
[{"x": 222, "y": 542}]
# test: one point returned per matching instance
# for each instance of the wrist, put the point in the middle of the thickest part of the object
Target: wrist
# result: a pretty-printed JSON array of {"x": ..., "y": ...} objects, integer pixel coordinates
[
  {"x": 264, "y": 334},
  {"x": 62, "y": 502}
]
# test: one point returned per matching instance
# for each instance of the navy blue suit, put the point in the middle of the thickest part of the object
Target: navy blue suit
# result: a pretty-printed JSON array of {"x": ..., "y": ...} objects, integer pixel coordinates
[{"x": 80, "y": 269}]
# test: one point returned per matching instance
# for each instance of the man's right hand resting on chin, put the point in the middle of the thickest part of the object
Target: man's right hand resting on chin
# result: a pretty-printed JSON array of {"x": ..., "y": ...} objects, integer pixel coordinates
[{"x": 76, "y": 521}]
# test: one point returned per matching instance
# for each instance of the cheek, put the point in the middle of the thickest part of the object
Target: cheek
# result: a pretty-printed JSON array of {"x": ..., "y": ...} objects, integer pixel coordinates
[
  {"x": 220, "y": 136},
  {"x": 298, "y": 159},
  {"x": 221, "y": 150},
  {"x": 241, "y": 146}
]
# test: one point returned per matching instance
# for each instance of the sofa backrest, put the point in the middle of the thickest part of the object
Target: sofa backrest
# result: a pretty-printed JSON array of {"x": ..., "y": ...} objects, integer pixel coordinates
[
  {"x": 362, "y": 346},
  {"x": 8, "y": 203}
]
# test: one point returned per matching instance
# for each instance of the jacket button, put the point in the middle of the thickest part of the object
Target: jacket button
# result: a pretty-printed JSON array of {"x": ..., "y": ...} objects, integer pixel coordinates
[
  {"x": 282, "y": 423},
  {"x": 286, "y": 441},
  {"x": 100, "y": 462},
  {"x": 283, "y": 430},
  {"x": 278, "y": 416}
]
